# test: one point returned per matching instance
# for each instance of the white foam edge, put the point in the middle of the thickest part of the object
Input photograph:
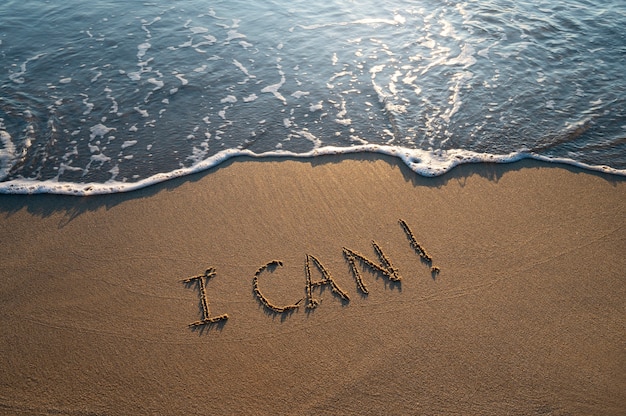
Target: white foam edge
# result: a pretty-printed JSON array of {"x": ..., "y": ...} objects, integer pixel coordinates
[{"x": 423, "y": 162}]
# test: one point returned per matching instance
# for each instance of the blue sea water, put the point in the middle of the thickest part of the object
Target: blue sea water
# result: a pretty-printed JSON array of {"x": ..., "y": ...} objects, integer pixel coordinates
[{"x": 110, "y": 96}]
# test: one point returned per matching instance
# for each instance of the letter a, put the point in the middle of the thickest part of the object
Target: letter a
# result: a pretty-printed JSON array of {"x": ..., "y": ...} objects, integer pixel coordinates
[{"x": 327, "y": 280}]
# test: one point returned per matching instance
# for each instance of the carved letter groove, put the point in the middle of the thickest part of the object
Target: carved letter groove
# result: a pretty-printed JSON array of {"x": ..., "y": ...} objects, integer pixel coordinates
[
  {"x": 356, "y": 262},
  {"x": 385, "y": 267},
  {"x": 264, "y": 300},
  {"x": 327, "y": 280},
  {"x": 206, "y": 315},
  {"x": 419, "y": 250}
]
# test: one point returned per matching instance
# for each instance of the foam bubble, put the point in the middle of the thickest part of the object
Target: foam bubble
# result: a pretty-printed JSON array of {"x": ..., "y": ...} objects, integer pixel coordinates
[
  {"x": 158, "y": 84},
  {"x": 229, "y": 99},
  {"x": 273, "y": 89},
  {"x": 198, "y": 29},
  {"x": 99, "y": 130},
  {"x": 316, "y": 106},
  {"x": 242, "y": 68},
  {"x": 299, "y": 94},
  {"x": 129, "y": 143},
  {"x": 142, "y": 49},
  {"x": 233, "y": 34},
  {"x": 250, "y": 98},
  {"x": 182, "y": 79},
  {"x": 18, "y": 77},
  {"x": 7, "y": 154},
  {"x": 144, "y": 113}
]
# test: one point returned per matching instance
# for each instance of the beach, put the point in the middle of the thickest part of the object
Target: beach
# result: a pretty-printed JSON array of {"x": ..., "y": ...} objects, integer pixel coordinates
[{"x": 521, "y": 309}]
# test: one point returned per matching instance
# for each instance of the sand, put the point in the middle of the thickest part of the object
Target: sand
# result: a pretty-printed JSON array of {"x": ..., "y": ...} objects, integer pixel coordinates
[{"x": 527, "y": 315}]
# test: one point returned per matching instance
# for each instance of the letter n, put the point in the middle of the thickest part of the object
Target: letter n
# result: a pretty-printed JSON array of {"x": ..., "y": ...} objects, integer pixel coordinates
[{"x": 385, "y": 267}]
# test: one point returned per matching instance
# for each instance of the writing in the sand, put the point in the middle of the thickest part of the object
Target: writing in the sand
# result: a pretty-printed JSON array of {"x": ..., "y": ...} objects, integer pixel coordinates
[{"x": 383, "y": 266}]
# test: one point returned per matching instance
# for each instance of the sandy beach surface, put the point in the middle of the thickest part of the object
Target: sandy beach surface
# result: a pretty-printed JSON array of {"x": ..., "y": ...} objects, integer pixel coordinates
[{"x": 526, "y": 316}]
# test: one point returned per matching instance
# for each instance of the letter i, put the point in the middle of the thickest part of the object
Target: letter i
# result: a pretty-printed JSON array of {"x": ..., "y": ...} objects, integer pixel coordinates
[{"x": 206, "y": 314}]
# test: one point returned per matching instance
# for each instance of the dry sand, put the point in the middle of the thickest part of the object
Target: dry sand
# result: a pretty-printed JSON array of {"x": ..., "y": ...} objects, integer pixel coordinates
[{"x": 527, "y": 315}]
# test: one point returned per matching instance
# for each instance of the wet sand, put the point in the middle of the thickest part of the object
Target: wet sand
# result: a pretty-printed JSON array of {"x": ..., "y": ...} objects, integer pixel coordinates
[{"x": 526, "y": 315}]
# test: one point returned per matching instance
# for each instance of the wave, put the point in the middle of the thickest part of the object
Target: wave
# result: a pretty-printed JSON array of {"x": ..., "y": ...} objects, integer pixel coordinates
[
  {"x": 425, "y": 163},
  {"x": 127, "y": 96}
]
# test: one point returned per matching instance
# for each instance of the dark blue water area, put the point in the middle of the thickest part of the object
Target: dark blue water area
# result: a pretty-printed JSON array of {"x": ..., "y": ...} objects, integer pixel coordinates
[{"x": 108, "y": 96}]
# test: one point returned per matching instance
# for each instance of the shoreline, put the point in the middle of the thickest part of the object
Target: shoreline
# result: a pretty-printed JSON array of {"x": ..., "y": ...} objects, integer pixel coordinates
[
  {"x": 525, "y": 316},
  {"x": 410, "y": 157}
]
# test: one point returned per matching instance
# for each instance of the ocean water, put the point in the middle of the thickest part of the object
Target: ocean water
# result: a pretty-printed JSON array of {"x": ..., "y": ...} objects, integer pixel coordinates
[{"x": 112, "y": 95}]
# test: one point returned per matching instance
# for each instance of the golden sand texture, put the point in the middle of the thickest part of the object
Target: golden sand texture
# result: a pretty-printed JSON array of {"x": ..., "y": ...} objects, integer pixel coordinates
[{"x": 337, "y": 285}]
